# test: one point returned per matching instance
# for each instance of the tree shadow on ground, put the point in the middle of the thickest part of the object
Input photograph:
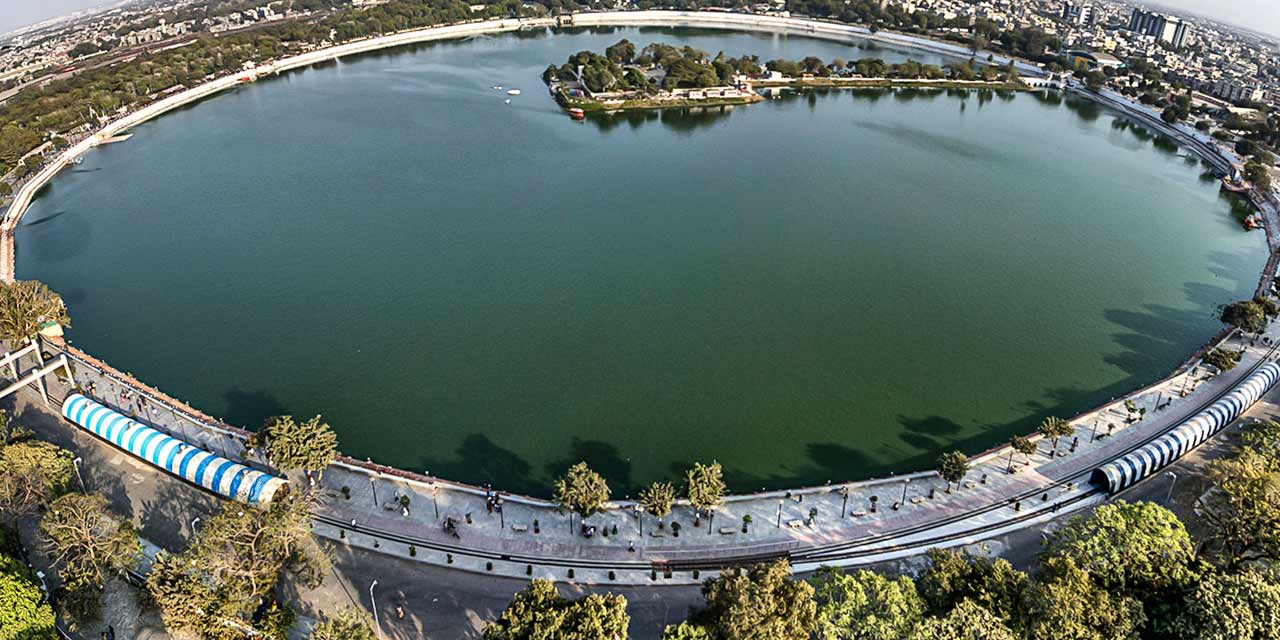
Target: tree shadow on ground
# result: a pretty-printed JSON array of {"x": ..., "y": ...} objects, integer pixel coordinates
[{"x": 166, "y": 516}]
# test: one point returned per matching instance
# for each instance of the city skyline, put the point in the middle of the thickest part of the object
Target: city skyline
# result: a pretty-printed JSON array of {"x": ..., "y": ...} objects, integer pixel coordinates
[{"x": 1258, "y": 15}]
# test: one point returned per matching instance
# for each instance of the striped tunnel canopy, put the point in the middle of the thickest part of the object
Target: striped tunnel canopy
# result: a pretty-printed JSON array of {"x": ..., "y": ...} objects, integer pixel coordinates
[
  {"x": 193, "y": 464},
  {"x": 1123, "y": 473}
]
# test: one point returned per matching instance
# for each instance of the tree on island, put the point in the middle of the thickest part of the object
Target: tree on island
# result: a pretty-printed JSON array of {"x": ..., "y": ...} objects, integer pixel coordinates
[
  {"x": 539, "y": 612},
  {"x": 25, "y": 306},
  {"x": 704, "y": 486},
  {"x": 1053, "y": 429},
  {"x": 290, "y": 445},
  {"x": 581, "y": 491},
  {"x": 953, "y": 466},
  {"x": 657, "y": 499}
]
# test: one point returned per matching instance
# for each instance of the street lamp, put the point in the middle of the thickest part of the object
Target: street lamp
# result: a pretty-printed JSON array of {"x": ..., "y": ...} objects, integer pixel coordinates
[
  {"x": 844, "y": 500},
  {"x": 905, "y": 483},
  {"x": 375, "y": 491},
  {"x": 779, "y": 513},
  {"x": 76, "y": 463},
  {"x": 374, "y": 606},
  {"x": 435, "y": 491},
  {"x": 194, "y": 522},
  {"x": 1173, "y": 479}
]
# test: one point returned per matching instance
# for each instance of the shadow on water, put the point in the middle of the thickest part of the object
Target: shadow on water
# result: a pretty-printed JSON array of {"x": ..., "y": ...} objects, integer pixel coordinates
[
  {"x": 478, "y": 460},
  {"x": 603, "y": 458},
  {"x": 925, "y": 140},
  {"x": 33, "y": 223},
  {"x": 249, "y": 409}
]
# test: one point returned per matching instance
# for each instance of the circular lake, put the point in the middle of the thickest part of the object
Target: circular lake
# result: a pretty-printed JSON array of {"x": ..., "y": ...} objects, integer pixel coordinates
[{"x": 829, "y": 286}]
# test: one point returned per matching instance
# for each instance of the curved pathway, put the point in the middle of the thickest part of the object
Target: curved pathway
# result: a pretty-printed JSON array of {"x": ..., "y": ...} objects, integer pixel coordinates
[{"x": 855, "y": 523}]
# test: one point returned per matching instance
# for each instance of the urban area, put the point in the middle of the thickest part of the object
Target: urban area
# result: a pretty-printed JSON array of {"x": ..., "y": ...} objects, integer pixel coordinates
[{"x": 258, "y": 534}]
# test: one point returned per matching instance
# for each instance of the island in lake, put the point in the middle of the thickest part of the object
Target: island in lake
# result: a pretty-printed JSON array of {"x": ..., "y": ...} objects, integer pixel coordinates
[{"x": 662, "y": 76}]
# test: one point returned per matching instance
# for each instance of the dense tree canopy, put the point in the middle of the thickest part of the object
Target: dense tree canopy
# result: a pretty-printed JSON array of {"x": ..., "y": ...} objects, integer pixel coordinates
[
  {"x": 23, "y": 613},
  {"x": 1136, "y": 548},
  {"x": 25, "y": 306},
  {"x": 582, "y": 491},
  {"x": 865, "y": 606},
  {"x": 32, "y": 473},
  {"x": 88, "y": 544},
  {"x": 762, "y": 603},
  {"x": 539, "y": 612},
  {"x": 292, "y": 445}
]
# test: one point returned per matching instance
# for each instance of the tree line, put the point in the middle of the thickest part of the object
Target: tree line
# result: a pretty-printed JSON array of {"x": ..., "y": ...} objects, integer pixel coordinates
[{"x": 1127, "y": 570}]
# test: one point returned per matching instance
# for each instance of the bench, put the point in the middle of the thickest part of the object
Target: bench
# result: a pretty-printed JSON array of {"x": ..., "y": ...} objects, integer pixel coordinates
[
  {"x": 917, "y": 499},
  {"x": 795, "y": 524},
  {"x": 519, "y": 528},
  {"x": 657, "y": 534},
  {"x": 859, "y": 513},
  {"x": 727, "y": 531}
]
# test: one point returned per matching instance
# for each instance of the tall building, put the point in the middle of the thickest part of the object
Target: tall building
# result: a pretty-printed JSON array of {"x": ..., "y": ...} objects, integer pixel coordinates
[
  {"x": 1163, "y": 28},
  {"x": 1077, "y": 13}
]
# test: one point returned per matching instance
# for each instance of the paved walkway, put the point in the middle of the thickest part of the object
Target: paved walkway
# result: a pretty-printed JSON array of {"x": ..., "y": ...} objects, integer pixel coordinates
[{"x": 837, "y": 524}]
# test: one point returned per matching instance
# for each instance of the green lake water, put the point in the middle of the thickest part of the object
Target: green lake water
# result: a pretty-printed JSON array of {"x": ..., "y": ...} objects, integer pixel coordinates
[{"x": 829, "y": 286}]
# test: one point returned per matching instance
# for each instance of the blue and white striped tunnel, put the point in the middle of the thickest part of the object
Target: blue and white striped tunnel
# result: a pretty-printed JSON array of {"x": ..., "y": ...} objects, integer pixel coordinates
[
  {"x": 1123, "y": 473},
  {"x": 193, "y": 464}
]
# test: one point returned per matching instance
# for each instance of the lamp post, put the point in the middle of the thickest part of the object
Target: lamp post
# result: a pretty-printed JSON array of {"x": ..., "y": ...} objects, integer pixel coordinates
[
  {"x": 373, "y": 488},
  {"x": 76, "y": 463},
  {"x": 905, "y": 483},
  {"x": 1094, "y": 435},
  {"x": 1173, "y": 479},
  {"x": 435, "y": 491},
  {"x": 374, "y": 605},
  {"x": 195, "y": 521},
  {"x": 779, "y": 513},
  {"x": 844, "y": 500}
]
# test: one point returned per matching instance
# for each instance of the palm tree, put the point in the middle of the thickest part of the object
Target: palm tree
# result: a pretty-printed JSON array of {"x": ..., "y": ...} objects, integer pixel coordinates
[
  {"x": 705, "y": 487},
  {"x": 1055, "y": 428},
  {"x": 1023, "y": 445}
]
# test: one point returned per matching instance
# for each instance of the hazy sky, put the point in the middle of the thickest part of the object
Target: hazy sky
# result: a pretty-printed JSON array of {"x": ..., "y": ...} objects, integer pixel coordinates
[
  {"x": 20, "y": 13},
  {"x": 1262, "y": 15}
]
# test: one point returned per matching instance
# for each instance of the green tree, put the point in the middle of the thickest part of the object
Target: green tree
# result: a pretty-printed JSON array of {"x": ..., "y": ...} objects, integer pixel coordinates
[
  {"x": 1053, "y": 429},
  {"x": 953, "y": 466},
  {"x": 1063, "y": 603},
  {"x": 1139, "y": 548},
  {"x": 1223, "y": 359},
  {"x": 1095, "y": 80},
  {"x": 348, "y": 624},
  {"x": 311, "y": 445},
  {"x": 1021, "y": 444},
  {"x": 1243, "y": 510},
  {"x": 967, "y": 621},
  {"x": 32, "y": 473},
  {"x": 1247, "y": 315},
  {"x": 539, "y": 612},
  {"x": 1243, "y": 606},
  {"x": 686, "y": 631},
  {"x": 761, "y": 603},
  {"x": 953, "y": 578},
  {"x": 865, "y": 606},
  {"x": 623, "y": 51},
  {"x": 1263, "y": 437},
  {"x": 705, "y": 485},
  {"x": 657, "y": 499},
  {"x": 27, "y": 305},
  {"x": 88, "y": 544},
  {"x": 23, "y": 613},
  {"x": 581, "y": 491},
  {"x": 235, "y": 565}
]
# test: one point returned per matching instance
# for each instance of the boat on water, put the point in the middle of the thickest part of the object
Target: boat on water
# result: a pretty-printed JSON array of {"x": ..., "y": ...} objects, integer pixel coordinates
[
  {"x": 1253, "y": 222},
  {"x": 497, "y": 87},
  {"x": 513, "y": 92},
  {"x": 577, "y": 114},
  {"x": 507, "y": 101}
]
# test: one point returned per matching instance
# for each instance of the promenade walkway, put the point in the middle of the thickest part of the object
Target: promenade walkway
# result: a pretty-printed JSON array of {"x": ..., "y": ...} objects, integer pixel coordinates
[{"x": 838, "y": 524}]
